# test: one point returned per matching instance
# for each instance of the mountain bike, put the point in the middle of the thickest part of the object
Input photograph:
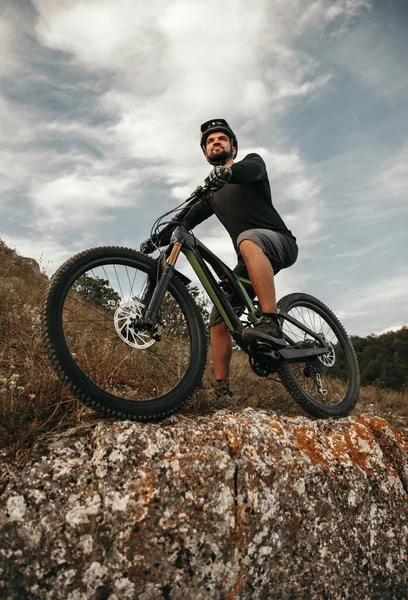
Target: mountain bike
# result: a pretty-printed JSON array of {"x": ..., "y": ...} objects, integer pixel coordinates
[{"x": 122, "y": 329}]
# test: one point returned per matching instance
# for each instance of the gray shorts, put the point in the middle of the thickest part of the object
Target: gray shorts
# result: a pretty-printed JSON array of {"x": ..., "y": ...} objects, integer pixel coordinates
[{"x": 281, "y": 250}]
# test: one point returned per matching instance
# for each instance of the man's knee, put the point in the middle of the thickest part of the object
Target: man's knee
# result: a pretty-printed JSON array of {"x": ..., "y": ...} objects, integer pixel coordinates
[
  {"x": 246, "y": 243},
  {"x": 218, "y": 329}
]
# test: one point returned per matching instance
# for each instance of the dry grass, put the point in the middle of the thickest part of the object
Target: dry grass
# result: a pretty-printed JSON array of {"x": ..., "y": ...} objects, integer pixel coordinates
[
  {"x": 32, "y": 398},
  {"x": 256, "y": 392},
  {"x": 34, "y": 402}
]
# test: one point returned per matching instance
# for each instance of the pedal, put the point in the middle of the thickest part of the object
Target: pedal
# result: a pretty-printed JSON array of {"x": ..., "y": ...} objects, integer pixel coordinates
[{"x": 261, "y": 346}]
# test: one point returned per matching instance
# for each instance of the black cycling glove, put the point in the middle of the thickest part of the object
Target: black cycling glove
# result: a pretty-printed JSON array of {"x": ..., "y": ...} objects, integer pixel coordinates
[
  {"x": 218, "y": 177},
  {"x": 147, "y": 246}
]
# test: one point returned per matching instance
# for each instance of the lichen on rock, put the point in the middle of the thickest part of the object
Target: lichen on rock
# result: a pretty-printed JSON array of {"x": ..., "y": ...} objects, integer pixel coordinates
[{"x": 230, "y": 506}]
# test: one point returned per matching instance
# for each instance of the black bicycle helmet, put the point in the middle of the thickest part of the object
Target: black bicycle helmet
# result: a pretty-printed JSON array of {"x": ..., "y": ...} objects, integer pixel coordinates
[{"x": 217, "y": 125}]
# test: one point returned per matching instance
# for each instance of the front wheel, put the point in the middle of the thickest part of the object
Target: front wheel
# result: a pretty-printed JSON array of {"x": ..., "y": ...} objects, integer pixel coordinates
[
  {"x": 93, "y": 332},
  {"x": 327, "y": 385}
]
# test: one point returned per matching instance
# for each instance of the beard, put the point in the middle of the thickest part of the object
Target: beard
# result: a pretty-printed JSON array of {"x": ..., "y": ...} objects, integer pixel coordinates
[{"x": 221, "y": 156}]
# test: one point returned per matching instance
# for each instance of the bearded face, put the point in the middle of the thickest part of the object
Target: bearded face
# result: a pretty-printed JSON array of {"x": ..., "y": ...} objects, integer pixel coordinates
[{"x": 218, "y": 147}]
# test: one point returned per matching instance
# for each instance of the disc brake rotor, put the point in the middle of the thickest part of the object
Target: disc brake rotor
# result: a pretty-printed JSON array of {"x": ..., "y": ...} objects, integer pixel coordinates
[{"x": 125, "y": 318}]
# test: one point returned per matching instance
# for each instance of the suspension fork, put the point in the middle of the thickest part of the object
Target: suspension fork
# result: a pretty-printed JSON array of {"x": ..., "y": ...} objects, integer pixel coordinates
[{"x": 162, "y": 286}]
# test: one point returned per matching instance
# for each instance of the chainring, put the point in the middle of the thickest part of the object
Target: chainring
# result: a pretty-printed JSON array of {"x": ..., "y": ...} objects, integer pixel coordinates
[{"x": 260, "y": 369}]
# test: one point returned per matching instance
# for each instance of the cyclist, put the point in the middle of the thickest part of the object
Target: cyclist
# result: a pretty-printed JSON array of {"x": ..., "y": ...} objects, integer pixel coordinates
[{"x": 263, "y": 243}]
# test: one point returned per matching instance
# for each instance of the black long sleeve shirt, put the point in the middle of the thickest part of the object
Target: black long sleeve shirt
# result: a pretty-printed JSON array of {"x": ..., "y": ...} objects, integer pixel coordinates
[{"x": 244, "y": 203}]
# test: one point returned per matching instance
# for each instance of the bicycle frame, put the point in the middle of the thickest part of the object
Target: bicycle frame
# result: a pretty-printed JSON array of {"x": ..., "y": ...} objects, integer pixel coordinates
[{"x": 198, "y": 255}]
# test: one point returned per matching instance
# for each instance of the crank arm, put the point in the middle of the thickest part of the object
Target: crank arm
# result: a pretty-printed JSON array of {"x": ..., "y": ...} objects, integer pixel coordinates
[
  {"x": 269, "y": 356},
  {"x": 293, "y": 355}
]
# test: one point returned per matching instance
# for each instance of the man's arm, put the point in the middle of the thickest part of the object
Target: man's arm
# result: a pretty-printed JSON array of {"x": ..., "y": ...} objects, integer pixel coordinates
[
  {"x": 196, "y": 215},
  {"x": 251, "y": 168}
]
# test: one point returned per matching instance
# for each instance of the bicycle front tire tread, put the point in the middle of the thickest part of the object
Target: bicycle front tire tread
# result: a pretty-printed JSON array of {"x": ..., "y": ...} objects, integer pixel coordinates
[{"x": 56, "y": 351}]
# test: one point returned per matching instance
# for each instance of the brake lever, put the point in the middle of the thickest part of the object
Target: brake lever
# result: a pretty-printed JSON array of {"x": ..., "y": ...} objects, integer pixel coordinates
[{"x": 200, "y": 191}]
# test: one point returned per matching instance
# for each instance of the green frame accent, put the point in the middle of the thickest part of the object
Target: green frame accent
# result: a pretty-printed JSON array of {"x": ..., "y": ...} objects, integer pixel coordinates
[
  {"x": 213, "y": 294},
  {"x": 207, "y": 285},
  {"x": 251, "y": 308}
]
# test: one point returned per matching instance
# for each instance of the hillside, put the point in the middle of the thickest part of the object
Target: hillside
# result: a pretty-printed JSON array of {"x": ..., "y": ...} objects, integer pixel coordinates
[
  {"x": 34, "y": 402},
  {"x": 383, "y": 359}
]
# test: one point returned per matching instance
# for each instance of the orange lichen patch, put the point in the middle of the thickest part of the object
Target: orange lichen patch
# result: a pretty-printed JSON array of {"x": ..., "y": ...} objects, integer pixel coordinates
[
  {"x": 392, "y": 471},
  {"x": 239, "y": 550},
  {"x": 339, "y": 446},
  {"x": 355, "y": 446},
  {"x": 377, "y": 425},
  {"x": 144, "y": 487},
  {"x": 233, "y": 441},
  {"x": 276, "y": 427},
  {"x": 146, "y": 493},
  {"x": 308, "y": 443},
  {"x": 399, "y": 438},
  {"x": 361, "y": 446},
  {"x": 269, "y": 448},
  {"x": 373, "y": 422}
]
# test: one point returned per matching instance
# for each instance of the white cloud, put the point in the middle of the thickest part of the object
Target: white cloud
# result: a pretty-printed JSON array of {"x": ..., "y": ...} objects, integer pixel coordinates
[
  {"x": 396, "y": 327},
  {"x": 7, "y": 41},
  {"x": 176, "y": 65},
  {"x": 78, "y": 199},
  {"x": 381, "y": 195},
  {"x": 98, "y": 32},
  {"x": 370, "y": 308},
  {"x": 168, "y": 66},
  {"x": 393, "y": 176},
  {"x": 386, "y": 290},
  {"x": 373, "y": 59},
  {"x": 181, "y": 62}
]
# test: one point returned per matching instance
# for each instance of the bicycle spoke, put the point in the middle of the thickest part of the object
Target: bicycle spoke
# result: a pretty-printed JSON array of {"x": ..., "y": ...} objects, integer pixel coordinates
[
  {"x": 98, "y": 323},
  {"x": 311, "y": 372},
  {"x": 113, "y": 351}
]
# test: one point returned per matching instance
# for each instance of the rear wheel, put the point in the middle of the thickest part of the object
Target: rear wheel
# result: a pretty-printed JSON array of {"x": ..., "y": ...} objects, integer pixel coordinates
[
  {"x": 94, "y": 335},
  {"x": 327, "y": 385}
]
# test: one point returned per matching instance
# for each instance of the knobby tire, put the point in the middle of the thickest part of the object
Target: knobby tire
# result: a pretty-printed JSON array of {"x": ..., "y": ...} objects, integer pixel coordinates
[
  {"x": 302, "y": 389},
  {"x": 64, "y": 285}
]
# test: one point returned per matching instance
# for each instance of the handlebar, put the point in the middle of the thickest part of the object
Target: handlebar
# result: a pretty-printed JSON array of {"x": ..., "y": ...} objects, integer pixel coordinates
[{"x": 199, "y": 193}]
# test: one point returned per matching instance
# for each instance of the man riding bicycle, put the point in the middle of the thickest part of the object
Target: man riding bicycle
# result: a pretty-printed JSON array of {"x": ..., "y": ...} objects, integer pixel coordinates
[{"x": 263, "y": 243}]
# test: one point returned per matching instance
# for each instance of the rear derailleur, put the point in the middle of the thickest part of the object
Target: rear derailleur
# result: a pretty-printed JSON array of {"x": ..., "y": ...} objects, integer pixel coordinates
[{"x": 314, "y": 370}]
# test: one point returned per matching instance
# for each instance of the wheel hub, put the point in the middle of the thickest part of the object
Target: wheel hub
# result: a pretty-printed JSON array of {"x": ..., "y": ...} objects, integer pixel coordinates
[{"x": 127, "y": 318}]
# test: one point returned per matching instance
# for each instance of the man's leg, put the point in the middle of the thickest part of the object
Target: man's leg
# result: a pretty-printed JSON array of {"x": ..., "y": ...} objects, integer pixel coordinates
[
  {"x": 261, "y": 275},
  {"x": 221, "y": 351},
  {"x": 262, "y": 278}
]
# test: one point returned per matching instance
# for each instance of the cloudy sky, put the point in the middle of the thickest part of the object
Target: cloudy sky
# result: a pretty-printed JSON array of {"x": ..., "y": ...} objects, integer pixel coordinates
[{"x": 100, "y": 107}]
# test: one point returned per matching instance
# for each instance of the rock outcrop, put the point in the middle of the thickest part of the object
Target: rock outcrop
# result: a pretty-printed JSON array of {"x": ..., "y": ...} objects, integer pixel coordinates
[
  {"x": 21, "y": 264},
  {"x": 230, "y": 506}
]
